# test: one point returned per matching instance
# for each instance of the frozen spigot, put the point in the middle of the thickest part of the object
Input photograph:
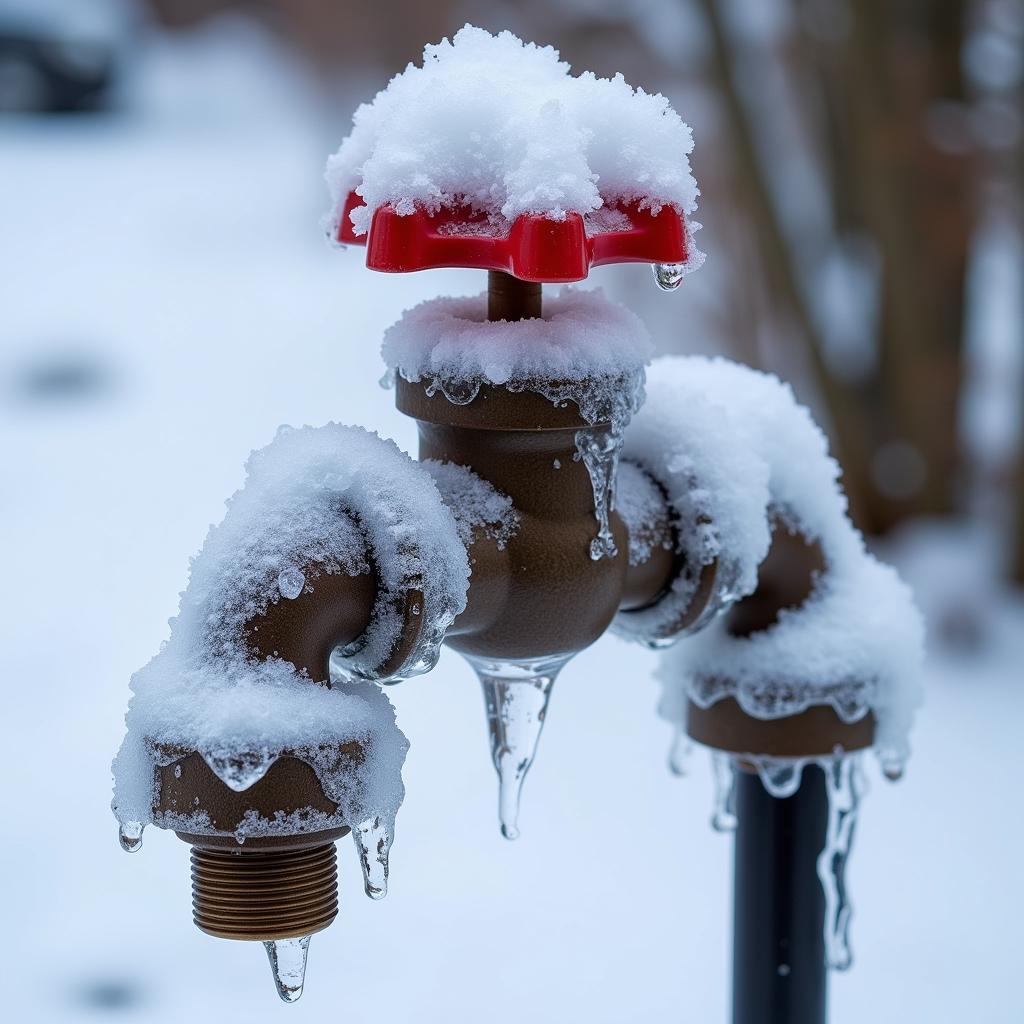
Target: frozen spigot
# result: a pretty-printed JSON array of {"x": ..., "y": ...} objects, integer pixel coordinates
[
  {"x": 532, "y": 394},
  {"x": 256, "y": 734}
]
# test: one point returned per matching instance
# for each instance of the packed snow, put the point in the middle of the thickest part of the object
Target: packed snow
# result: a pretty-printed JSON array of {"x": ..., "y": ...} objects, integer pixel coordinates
[
  {"x": 642, "y": 508},
  {"x": 502, "y": 127},
  {"x": 736, "y": 455},
  {"x": 585, "y": 349},
  {"x": 295, "y": 519}
]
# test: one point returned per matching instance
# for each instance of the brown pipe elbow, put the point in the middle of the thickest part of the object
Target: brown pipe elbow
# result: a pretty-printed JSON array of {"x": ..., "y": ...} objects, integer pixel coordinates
[
  {"x": 332, "y": 610},
  {"x": 786, "y": 579}
]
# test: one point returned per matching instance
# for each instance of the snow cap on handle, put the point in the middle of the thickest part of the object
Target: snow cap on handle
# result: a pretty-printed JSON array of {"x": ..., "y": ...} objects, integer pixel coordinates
[{"x": 491, "y": 155}]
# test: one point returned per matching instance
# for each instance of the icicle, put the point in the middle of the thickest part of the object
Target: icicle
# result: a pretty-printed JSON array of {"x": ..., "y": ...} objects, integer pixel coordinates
[
  {"x": 669, "y": 276},
  {"x": 679, "y": 753},
  {"x": 129, "y": 835},
  {"x": 598, "y": 448},
  {"x": 516, "y": 695},
  {"x": 844, "y": 786},
  {"x": 373, "y": 841},
  {"x": 288, "y": 963},
  {"x": 723, "y": 812},
  {"x": 779, "y": 775}
]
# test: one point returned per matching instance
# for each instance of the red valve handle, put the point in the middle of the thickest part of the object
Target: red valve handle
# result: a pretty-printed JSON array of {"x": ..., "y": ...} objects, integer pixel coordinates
[{"x": 535, "y": 248}]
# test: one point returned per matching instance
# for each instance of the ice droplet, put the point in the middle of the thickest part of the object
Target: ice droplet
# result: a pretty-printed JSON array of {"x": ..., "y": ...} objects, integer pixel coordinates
[
  {"x": 288, "y": 964},
  {"x": 669, "y": 276},
  {"x": 290, "y": 582},
  {"x": 893, "y": 764},
  {"x": 679, "y": 753},
  {"x": 460, "y": 392},
  {"x": 780, "y": 776},
  {"x": 723, "y": 811},
  {"x": 373, "y": 841},
  {"x": 844, "y": 787},
  {"x": 516, "y": 695},
  {"x": 129, "y": 835}
]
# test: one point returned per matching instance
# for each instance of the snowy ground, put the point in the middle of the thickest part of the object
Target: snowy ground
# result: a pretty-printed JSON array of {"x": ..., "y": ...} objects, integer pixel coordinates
[{"x": 174, "y": 259}]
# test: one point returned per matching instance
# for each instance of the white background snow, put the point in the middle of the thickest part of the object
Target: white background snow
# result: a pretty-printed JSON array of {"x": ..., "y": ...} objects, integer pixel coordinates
[{"x": 174, "y": 250}]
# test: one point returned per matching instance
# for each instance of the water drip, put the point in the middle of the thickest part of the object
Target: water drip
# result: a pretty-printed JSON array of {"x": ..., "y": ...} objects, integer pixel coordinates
[
  {"x": 669, "y": 276},
  {"x": 598, "y": 448}
]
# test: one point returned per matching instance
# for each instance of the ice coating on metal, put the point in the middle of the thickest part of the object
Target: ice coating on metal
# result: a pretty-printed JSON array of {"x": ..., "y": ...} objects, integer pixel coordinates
[
  {"x": 723, "y": 772},
  {"x": 844, "y": 784},
  {"x": 516, "y": 695}
]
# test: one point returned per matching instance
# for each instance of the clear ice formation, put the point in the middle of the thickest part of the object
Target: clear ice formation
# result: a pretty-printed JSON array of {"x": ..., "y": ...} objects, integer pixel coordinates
[
  {"x": 781, "y": 777},
  {"x": 723, "y": 813},
  {"x": 598, "y": 448},
  {"x": 129, "y": 835},
  {"x": 516, "y": 695},
  {"x": 288, "y": 964},
  {"x": 373, "y": 842},
  {"x": 845, "y": 787},
  {"x": 680, "y": 753},
  {"x": 240, "y": 769},
  {"x": 669, "y": 276}
]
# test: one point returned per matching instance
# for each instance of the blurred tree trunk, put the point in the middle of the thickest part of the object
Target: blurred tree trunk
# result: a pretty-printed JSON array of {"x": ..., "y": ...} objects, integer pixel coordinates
[
  {"x": 902, "y": 67},
  {"x": 895, "y": 426}
]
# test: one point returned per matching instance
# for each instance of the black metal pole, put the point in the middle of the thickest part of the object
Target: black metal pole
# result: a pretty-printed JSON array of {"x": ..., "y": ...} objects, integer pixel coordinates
[{"x": 779, "y": 906}]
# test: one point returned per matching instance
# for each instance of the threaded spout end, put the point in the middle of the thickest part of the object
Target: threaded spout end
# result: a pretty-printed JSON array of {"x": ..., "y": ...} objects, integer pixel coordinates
[{"x": 264, "y": 895}]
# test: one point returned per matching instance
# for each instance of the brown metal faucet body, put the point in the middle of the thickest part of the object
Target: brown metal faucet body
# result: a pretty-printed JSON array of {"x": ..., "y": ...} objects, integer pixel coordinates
[{"x": 540, "y": 595}]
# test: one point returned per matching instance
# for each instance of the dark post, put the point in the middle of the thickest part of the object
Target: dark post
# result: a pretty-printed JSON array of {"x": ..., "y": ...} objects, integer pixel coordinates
[
  {"x": 779, "y": 905},
  {"x": 508, "y": 298}
]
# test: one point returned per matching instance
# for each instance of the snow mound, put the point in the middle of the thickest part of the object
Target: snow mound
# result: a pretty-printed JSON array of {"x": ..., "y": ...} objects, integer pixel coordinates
[
  {"x": 501, "y": 126},
  {"x": 736, "y": 454},
  {"x": 316, "y": 501}
]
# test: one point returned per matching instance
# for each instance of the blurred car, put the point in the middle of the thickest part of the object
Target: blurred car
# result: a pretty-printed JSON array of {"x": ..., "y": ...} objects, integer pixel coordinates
[{"x": 57, "y": 56}]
